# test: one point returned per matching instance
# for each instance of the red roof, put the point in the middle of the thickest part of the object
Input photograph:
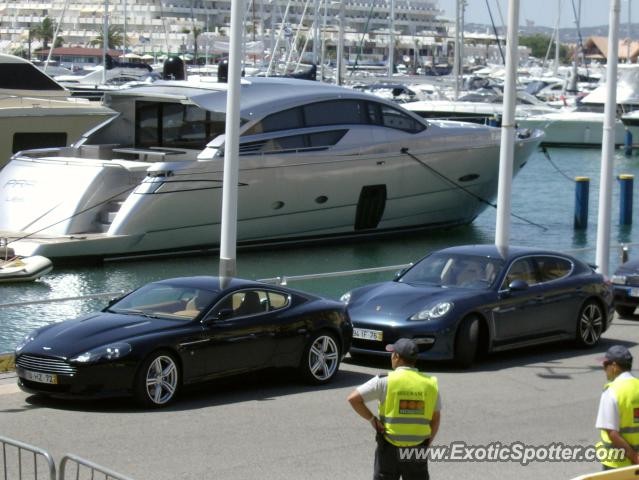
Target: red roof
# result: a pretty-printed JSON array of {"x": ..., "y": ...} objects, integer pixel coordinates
[{"x": 79, "y": 52}]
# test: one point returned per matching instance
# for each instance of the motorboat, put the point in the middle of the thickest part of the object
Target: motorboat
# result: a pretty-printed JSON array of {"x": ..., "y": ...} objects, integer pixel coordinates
[
  {"x": 22, "y": 269},
  {"x": 94, "y": 83},
  {"x": 35, "y": 111},
  {"x": 631, "y": 123},
  {"x": 583, "y": 125},
  {"x": 482, "y": 106},
  {"x": 573, "y": 128},
  {"x": 317, "y": 162}
]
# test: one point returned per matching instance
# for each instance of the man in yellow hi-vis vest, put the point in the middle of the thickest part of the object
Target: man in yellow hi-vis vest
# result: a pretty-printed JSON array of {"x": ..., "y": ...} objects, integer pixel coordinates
[
  {"x": 618, "y": 415},
  {"x": 409, "y": 414}
]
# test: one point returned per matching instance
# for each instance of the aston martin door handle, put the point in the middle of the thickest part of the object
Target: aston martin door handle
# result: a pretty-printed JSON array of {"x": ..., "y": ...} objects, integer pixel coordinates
[{"x": 381, "y": 162}]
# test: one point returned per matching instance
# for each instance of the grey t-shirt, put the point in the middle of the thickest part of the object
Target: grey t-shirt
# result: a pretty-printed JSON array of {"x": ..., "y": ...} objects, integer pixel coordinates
[{"x": 375, "y": 389}]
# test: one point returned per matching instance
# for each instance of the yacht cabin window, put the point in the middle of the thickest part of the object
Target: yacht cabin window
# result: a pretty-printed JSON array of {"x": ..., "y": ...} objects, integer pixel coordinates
[
  {"x": 25, "y": 76},
  {"x": 337, "y": 112},
  {"x": 293, "y": 143},
  {"x": 174, "y": 125}
]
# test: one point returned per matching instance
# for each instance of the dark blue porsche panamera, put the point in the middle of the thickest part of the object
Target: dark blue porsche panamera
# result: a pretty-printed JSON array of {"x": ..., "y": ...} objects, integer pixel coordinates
[
  {"x": 461, "y": 300},
  {"x": 180, "y": 331}
]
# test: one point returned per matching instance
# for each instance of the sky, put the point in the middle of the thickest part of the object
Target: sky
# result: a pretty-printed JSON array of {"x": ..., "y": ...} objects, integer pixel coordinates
[{"x": 544, "y": 12}]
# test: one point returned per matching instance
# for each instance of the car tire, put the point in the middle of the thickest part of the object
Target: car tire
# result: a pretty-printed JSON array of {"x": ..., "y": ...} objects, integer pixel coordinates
[
  {"x": 590, "y": 324},
  {"x": 157, "y": 380},
  {"x": 467, "y": 342},
  {"x": 625, "y": 311},
  {"x": 321, "y": 358}
]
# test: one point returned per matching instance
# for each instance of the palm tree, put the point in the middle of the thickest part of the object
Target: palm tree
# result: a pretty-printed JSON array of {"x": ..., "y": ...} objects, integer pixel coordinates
[
  {"x": 45, "y": 31},
  {"x": 114, "y": 38}
]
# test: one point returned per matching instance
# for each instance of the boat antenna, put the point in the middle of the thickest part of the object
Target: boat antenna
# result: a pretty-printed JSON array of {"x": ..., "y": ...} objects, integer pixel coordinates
[{"x": 492, "y": 21}]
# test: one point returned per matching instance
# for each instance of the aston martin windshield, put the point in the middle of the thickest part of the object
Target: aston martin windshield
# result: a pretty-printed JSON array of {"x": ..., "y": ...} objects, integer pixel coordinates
[
  {"x": 455, "y": 270},
  {"x": 162, "y": 300}
]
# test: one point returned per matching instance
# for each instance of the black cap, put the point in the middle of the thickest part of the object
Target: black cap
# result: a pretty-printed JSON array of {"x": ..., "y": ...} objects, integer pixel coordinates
[
  {"x": 618, "y": 354},
  {"x": 405, "y": 348}
]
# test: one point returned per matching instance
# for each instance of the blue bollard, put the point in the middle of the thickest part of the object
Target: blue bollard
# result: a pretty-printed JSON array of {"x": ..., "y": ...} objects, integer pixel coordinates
[
  {"x": 627, "y": 143},
  {"x": 625, "y": 199},
  {"x": 582, "y": 190}
]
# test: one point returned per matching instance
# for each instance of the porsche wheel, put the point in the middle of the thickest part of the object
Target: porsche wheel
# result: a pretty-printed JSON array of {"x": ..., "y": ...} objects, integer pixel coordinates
[
  {"x": 590, "y": 324},
  {"x": 467, "y": 342}
]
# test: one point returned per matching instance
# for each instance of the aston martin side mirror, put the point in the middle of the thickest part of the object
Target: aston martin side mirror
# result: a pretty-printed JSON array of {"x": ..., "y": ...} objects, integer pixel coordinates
[
  {"x": 224, "y": 313},
  {"x": 518, "y": 286}
]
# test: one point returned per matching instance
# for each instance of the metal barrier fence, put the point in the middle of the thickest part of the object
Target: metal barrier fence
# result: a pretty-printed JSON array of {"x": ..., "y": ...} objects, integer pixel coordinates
[
  {"x": 84, "y": 466},
  {"x": 623, "y": 250},
  {"x": 39, "y": 460},
  {"x": 20, "y": 469}
]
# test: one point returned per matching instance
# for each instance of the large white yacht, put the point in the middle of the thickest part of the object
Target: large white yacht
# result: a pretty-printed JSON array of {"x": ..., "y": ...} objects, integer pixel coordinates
[
  {"x": 583, "y": 126},
  {"x": 317, "y": 162},
  {"x": 478, "y": 107},
  {"x": 35, "y": 111}
]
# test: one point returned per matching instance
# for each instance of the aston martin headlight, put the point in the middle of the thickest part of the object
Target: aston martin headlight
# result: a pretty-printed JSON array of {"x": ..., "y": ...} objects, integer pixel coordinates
[
  {"x": 619, "y": 279},
  {"x": 437, "y": 311},
  {"x": 345, "y": 298},
  {"x": 105, "y": 353},
  {"x": 28, "y": 338}
]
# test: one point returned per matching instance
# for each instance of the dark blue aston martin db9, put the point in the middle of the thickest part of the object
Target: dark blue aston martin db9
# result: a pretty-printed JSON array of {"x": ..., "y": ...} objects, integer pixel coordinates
[
  {"x": 458, "y": 301},
  {"x": 175, "y": 332}
]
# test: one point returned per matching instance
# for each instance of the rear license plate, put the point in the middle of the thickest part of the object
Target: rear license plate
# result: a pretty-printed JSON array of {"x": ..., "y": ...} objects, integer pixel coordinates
[
  {"x": 633, "y": 292},
  {"x": 38, "y": 376},
  {"x": 365, "y": 334}
]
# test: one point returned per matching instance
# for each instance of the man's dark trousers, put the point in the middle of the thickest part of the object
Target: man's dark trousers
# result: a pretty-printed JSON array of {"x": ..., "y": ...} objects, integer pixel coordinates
[{"x": 388, "y": 465}]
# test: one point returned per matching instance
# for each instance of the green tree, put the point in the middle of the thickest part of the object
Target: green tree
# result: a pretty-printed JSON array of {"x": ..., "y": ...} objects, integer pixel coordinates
[
  {"x": 114, "y": 38},
  {"x": 538, "y": 44},
  {"x": 44, "y": 31}
]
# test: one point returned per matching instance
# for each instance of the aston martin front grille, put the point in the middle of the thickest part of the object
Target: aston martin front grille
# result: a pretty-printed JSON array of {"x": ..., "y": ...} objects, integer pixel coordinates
[{"x": 46, "y": 364}]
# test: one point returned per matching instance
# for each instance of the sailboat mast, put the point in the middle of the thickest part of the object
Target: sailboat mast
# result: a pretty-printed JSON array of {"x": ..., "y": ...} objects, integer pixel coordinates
[
  {"x": 124, "y": 32},
  {"x": 629, "y": 35},
  {"x": 556, "y": 69},
  {"x": 105, "y": 39},
  {"x": 456, "y": 59},
  {"x": 573, "y": 77},
  {"x": 391, "y": 39}
]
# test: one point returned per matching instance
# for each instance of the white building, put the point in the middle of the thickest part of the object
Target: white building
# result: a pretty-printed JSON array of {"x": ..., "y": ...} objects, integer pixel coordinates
[{"x": 166, "y": 25}]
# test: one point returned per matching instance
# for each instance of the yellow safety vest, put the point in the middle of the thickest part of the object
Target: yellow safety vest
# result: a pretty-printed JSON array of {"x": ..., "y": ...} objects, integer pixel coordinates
[
  {"x": 408, "y": 408},
  {"x": 627, "y": 395}
]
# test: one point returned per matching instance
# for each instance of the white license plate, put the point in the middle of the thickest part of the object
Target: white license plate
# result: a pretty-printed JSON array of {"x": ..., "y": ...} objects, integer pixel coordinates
[
  {"x": 365, "y": 334},
  {"x": 38, "y": 376},
  {"x": 633, "y": 292}
]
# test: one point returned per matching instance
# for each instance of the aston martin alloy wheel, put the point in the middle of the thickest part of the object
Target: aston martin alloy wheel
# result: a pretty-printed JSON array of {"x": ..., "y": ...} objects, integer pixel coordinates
[
  {"x": 321, "y": 358},
  {"x": 158, "y": 380},
  {"x": 590, "y": 324}
]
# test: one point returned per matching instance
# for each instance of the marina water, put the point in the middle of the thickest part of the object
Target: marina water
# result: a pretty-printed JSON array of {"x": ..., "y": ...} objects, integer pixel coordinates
[{"x": 543, "y": 193}]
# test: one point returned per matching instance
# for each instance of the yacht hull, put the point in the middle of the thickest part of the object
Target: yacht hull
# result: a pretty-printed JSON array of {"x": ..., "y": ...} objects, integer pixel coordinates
[
  {"x": 572, "y": 128},
  {"x": 177, "y": 206}
]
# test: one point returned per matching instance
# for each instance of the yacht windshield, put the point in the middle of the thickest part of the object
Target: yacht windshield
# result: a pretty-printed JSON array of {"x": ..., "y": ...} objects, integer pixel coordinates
[
  {"x": 455, "y": 270},
  {"x": 165, "y": 301}
]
